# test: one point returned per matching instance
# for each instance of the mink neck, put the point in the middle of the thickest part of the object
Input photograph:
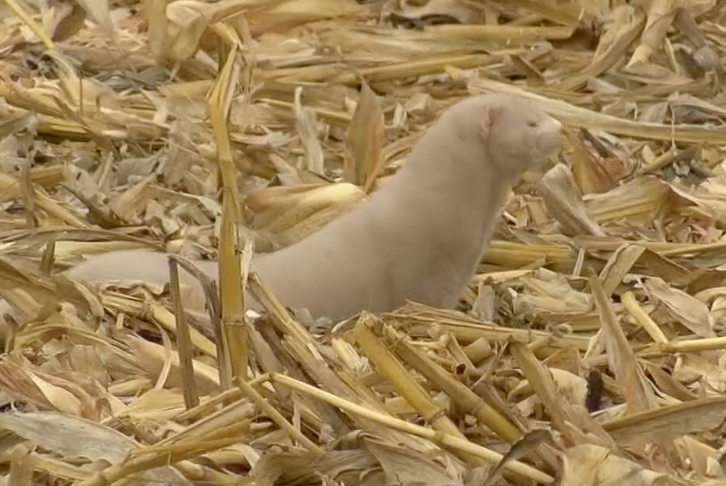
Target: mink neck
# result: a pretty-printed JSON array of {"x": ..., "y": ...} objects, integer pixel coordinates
[
  {"x": 444, "y": 204},
  {"x": 453, "y": 186}
]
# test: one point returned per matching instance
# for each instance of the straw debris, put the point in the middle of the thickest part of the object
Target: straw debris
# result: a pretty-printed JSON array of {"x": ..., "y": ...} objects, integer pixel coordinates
[{"x": 588, "y": 349}]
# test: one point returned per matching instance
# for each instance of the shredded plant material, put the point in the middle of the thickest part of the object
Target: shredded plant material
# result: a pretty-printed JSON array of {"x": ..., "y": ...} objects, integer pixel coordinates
[{"x": 588, "y": 350}]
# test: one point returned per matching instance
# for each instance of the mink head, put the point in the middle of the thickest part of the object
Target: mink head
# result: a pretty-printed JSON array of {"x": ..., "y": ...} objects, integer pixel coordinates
[{"x": 517, "y": 133}]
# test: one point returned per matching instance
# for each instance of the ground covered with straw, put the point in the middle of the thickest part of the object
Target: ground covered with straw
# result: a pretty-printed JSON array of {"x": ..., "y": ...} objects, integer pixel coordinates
[{"x": 589, "y": 349}]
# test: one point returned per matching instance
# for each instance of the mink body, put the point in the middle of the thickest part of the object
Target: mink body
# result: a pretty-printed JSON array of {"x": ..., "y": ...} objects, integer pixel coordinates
[{"x": 418, "y": 239}]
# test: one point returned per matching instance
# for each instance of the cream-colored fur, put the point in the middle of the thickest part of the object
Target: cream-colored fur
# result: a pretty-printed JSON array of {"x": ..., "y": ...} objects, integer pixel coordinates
[{"x": 419, "y": 238}]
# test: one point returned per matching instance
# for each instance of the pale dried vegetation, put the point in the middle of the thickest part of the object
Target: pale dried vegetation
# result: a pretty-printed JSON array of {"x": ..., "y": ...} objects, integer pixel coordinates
[{"x": 588, "y": 350}]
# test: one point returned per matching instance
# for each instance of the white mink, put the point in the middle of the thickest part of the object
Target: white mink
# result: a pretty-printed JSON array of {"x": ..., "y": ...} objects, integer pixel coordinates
[{"x": 419, "y": 238}]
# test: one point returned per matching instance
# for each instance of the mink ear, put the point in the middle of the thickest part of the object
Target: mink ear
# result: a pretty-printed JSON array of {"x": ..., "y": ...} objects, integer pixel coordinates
[{"x": 488, "y": 119}]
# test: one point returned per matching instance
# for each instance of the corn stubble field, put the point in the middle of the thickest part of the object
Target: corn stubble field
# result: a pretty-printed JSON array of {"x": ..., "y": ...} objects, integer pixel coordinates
[{"x": 589, "y": 349}]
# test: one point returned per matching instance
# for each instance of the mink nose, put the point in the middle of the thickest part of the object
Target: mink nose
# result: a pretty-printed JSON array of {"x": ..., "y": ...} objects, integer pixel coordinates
[
  {"x": 556, "y": 124},
  {"x": 552, "y": 142}
]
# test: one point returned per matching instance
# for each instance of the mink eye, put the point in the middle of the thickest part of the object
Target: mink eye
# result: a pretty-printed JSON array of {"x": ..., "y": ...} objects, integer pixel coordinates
[{"x": 532, "y": 123}]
